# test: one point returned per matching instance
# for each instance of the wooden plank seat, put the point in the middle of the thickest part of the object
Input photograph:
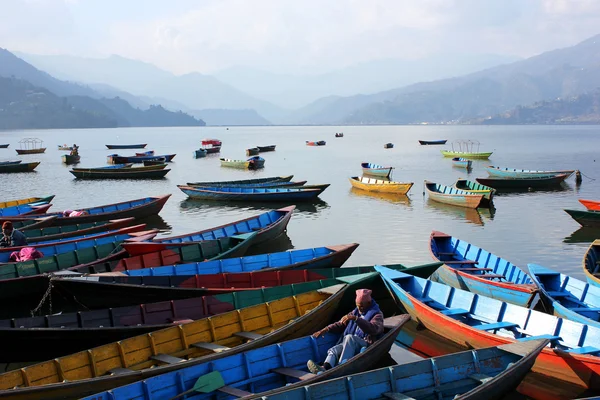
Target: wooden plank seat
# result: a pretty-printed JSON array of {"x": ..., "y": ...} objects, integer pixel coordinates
[
  {"x": 118, "y": 371},
  {"x": 454, "y": 311},
  {"x": 552, "y": 338},
  {"x": 584, "y": 350},
  {"x": 248, "y": 335},
  {"x": 495, "y": 326},
  {"x": 167, "y": 359},
  {"x": 217, "y": 348},
  {"x": 481, "y": 378},
  {"x": 230, "y": 390},
  {"x": 294, "y": 373},
  {"x": 397, "y": 396},
  {"x": 460, "y": 262}
]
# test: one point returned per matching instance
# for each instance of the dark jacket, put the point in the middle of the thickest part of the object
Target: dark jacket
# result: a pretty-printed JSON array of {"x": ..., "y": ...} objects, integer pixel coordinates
[
  {"x": 372, "y": 328},
  {"x": 15, "y": 239}
]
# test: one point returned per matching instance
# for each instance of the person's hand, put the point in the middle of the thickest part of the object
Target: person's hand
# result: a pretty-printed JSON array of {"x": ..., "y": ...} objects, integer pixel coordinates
[
  {"x": 322, "y": 332},
  {"x": 346, "y": 318}
]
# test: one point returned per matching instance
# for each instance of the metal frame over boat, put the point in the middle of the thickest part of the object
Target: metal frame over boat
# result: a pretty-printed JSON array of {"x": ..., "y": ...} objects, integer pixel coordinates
[
  {"x": 380, "y": 185},
  {"x": 471, "y": 268},
  {"x": 376, "y": 169},
  {"x": 453, "y": 196}
]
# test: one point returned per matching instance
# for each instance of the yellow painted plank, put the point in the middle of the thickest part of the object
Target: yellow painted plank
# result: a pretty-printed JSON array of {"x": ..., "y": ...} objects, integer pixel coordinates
[
  {"x": 11, "y": 379},
  {"x": 282, "y": 305},
  {"x": 257, "y": 323},
  {"x": 285, "y": 315},
  {"x": 42, "y": 372}
]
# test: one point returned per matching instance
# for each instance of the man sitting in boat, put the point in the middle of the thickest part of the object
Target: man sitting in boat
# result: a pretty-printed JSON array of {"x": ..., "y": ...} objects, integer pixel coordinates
[
  {"x": 361, "y": 328},
  {"x": 12, "y": 237},
  {"x": 75, "y": 150}
]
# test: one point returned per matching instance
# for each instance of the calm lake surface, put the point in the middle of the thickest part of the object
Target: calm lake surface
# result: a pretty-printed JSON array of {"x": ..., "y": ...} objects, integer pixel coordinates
[{"x": 529, "y": 227}]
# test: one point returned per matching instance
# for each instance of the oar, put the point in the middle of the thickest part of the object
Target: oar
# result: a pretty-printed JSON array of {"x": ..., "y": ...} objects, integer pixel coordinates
[{"x": 205, "y": 384}]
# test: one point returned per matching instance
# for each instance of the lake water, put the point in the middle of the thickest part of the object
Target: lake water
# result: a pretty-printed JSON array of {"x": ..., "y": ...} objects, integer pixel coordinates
[{"x": 528, "y": 227}]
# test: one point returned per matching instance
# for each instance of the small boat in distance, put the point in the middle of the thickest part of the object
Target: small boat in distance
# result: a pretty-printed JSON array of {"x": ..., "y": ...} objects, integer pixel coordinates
[
  {"x": 126, "y": 146},
  {"x": 70, "y": 159},
  {"x": 388, "y": 146},
  {"x": 262, "y": 149},
  {"x": 255, "y": 162},
  {"x": 340, "y": 134},
  {"x": 24, "y": 167},
  {"x": 523, "y": 173},
  {"x": 31, "y": 146},
  {"x": 466, "y": 149},
  {"x": 4, "y": 146},
  {"x": 252, "y": 151},
  {"x": 200, "y": 153},
  {"x": 452, "y": 196},
  {"x": 65, "y": 147},
  {"x": 211, "y": 145},
  {"x": 255, "y": 181},
  {"x": 10, "y": 162},
  {"x": 432, "y": 142},
  {"x": 460, "y": 162},
  {"x": 319, "y": 143},
  {"x": 376, "y": 169}
]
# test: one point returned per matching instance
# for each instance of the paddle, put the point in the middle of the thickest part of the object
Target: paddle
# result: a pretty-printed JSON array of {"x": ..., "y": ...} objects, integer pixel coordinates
[{"x": 205, "y": 384}]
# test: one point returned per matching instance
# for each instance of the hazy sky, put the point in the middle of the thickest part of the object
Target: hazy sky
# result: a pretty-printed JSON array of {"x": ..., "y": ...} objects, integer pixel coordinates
[{"x": 291, "y": 35}]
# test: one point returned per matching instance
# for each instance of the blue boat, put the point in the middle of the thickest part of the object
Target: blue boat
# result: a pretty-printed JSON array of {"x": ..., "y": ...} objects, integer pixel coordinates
[
  {"x": 264, "y": 371},
  {"x": 243, "y": 182},
  {"x": 376, "y": 169},
  {"x": 473, "y": 321},
  {"x": 566, "y": 296},
  {"x": 22, "y": 210},
  {"x": 485, "y": 374},
  {"x": 319, "y": 257},
  {"x": 115, "y": 166},
  {"x": 460, "y": 162},
  {"x": 200, "y": 153},
  {"x": 471, "y": 268},
  {"x": 117, "y": 159},
  {"x": 224, "y": 193},
  {"x": 256, "y": 185}
]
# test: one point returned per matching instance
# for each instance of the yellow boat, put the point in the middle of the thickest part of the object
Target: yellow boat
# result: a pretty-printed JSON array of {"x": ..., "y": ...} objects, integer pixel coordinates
[
  {"x": 227, "y": 162},
  {"x": 379, "y": 185},
  {"x": 183, "y": 345},
  {"x": 29, "y": 200}
]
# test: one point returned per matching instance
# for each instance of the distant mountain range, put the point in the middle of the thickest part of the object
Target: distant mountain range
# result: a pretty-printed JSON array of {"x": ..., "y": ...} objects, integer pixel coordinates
[{"x": 30, "y": 98}]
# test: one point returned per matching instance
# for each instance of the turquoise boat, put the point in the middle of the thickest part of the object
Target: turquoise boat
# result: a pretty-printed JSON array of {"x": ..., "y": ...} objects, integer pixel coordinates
[
  {"x": 460, "y": 162},
  {"x": 524, "y": 173},
  {"x": 476, "y": 188},
  {"x": 376, "y": 169}
]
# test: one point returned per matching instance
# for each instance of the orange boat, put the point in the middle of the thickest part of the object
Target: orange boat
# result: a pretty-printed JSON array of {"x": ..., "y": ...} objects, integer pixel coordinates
[{"x": 591, "y": 205}]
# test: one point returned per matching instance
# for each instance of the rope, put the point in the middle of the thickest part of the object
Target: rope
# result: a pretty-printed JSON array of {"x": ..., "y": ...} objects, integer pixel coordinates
[
  {"x": 46, "y": 295},
  {"x": 590, "y": 178}
]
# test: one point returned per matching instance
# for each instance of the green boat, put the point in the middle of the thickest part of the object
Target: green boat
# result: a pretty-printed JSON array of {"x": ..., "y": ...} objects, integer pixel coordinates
[{"x": 463, "y": 154}]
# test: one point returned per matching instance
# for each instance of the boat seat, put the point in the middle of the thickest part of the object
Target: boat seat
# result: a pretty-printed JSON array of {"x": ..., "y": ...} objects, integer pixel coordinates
[
  {"x": 118, "y": 371},
  {"x": 460, "y": 262},
  {"x": 454, "y": 311},
  {"x": 481, "y": 377},
  {"x": 397, "y": 396},
  {"x": 167, "y": 359},
  {"x": 294, "y": 373},
  {"x": 476, "y": 269},
  {"x": 248, "y": 335},
  {"x": 584, "y": 350},
  {"x": 230, "y": 390},
  {"x": 217, "y": 348},
  {"x": 490, "y": 276},
  {"x": 496, "y": 325},
  {"x": 580, "y": 309},
  {"x": 559, "y": 294},
  {"x": 552, "y": 338}
]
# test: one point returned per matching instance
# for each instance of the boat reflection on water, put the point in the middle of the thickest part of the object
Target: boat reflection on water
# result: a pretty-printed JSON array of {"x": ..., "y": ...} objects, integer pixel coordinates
[
  {"x": 389, "y": 197},
  {"x": 157, "y": 222},
  {"x": 425, "y": 343},
  {"x": 194, "y": 206},
  {"x": 583, "y": 235},
  {"x": 472, "y": 215},
  {"x": 279, "y": 244}
]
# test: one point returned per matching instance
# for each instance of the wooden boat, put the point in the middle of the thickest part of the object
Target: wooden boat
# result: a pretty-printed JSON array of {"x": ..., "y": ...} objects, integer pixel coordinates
[
  {"x": 122, "y": 168},
  {"x": 65, "y": 147},
  {"x": 67, "y": 231},
  {"x": 272, "y": 179},
  {"x": 117, "y": 159},
  {"x": 253, "y": 151},
  {"x": 145, "y": 153},
  {"x": 388, "y": 146},
  {"x": 4, "y": 146},
  {"x": 465, "y": 154},
  {"x": 23, "y": 167},
  {"x": 471, "y": 268},
  {"x": 262, "y": 149},
  {"x": 452, "y": 196},
  {"x": 250, "y": 194},
  {"x": 376, "y": 169},
  {"x": 200, "y": 153},
  {"x": 432, "y": 142},
  {"x": 126, "y": 173},
  {"x": 51, "y": 248},
  {"x": 523, "y": 173},
  {"x": 228, "y": 162},
  {"x": 261, "y": 185},
  {"x": 523, "y": 183},
  {"x": 24, "y": 210},
  {"x": 318, "y": 257},
  {"x": 474, "y": 321},
  {"x": 476, "y": 188},
  {"x": 126, "y": 146},
  {"x": 139, "y": 208},
  {"x": 378, "y": 185},
  {"x": 485, "y": 374},
  {"x": 264, "y": 372},
  {"x": 52, "y": 336},
  {"x": 211, "y": 145},
  {"x": 591, "y": 263},
  {"x": 591, "y": 205},
  {"x": 256, "y": 162},
  {"x": 10, "y": 162},
  {"x": 586, "y": 218},
  {"x": 153, "y": 163},
  {"x": 566, "y": 296},
  {"x": 198, "y": 342},
  {"x": 111, "y": 167},
  {"x": 30, "y": 146},
  {"x": 25, "y": 222},
  {"x": 69, "y": 159},
  {"x": 28, "y": 200},
  {"x": 318, "y": 143},
  {"x": 460, "y": 162},
  {"x": 340, "y": 134}
]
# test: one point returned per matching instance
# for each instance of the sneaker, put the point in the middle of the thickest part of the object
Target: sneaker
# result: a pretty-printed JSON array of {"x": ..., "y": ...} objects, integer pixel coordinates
[{"x": 314, "y": 367}]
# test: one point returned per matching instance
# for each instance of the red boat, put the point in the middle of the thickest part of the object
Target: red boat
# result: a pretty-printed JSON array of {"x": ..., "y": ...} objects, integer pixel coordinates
[
  {"x": 591, "y": 205},
  {"x": 211, "y": 145}
]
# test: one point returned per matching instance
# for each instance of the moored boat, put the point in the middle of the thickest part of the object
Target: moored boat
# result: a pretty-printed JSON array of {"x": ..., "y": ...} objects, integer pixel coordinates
[
  {"x": 471, "y": 268},
  {"x": 524, "y": 173},
  {"x": 339, "y": 134},
  {"x": 126, "y": 146},
  {"x": 473, "y": 321},
  {"x": 28, "y": 200},
  {"x": 388, "y": 146},
  {"x": 65, "y": 147},
  {"x": 229, "y": 163},
  {"x": 432, "y": 142},
  {"x": 30, "y": 146},
  {"x": 485, "y": 374},
  {"x": 24, "y": 210},
  {"x": 263, "y": 149},
  {"x": 251, "y": 194},
  {"x": 61, "y": 232},
  {"x": 211, "y": 145},
  {"x": 255, "y": 185},
  {"x": 523, "y": 183},
  {"x": 566, "y": 296},
  {"x": 256, "y": 162},
  {"x": 21, "y": 167},
  {"x": 476, "y": 188},
  {"x": 460, "y": 162},
  {"x": 70, "y": 159},
  {"x": 117, "y": 159},
  {"x": 10, "y": 162},
  {"x": 466, "y": 154},
  {"x": 4, "y": 145},
  {"x": 379, "y": 185},
  {"x": 452, "y": 196},
  {"x": 244, "y": 181},
  {"x": 591, "y": 263},
  {"x": 125, "y": 173},
  {"x": 585, "y": 218},
  {"x": 591, "y": 205},
  {"x": 317, "y": 143},
  {"x": 200, "y": 153},
  {"x": 376, "y": 169},
  {"x": 253, "y": 151}
]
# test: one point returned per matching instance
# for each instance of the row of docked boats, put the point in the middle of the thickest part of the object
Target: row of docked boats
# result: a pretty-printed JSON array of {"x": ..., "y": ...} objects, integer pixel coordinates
[{"x": 252, "y": 312}]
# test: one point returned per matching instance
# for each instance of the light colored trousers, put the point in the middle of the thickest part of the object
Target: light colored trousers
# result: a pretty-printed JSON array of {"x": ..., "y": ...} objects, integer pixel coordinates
[{"x": 344, "y": 351}]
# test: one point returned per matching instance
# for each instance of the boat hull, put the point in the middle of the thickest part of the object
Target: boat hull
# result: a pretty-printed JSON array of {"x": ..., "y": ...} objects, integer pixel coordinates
[
  {"x": 432, "y": 142},
  {"x": 21, "y": 167},
  {"x": 126, "y": 146},
  {"x": 523, "y": 183},
  {"x": 462, "y": 154},
  {"x": 28, "y": 201},
  {"x": 126, "y": 173},
  {"x": 263, "y": 149},
  {"x": 380, "y": 186},
  {"x": 591, "y": 205},
  {"x": 462, "y": 163},
  {"x": 452, "y": 196},
  {"x": 585, "y": 218},
  {"x": 591, "y": 266},
  {"x": 67, "y": 231},
  {"x": 31, "y": 151},
  {"x": 522, "y": 173},
  {"x": 69, "y": 159},
  {"x": 476, "y": 188},
  {"x": 251, "y": 194},
  {"x": 376, "y": 170}
]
